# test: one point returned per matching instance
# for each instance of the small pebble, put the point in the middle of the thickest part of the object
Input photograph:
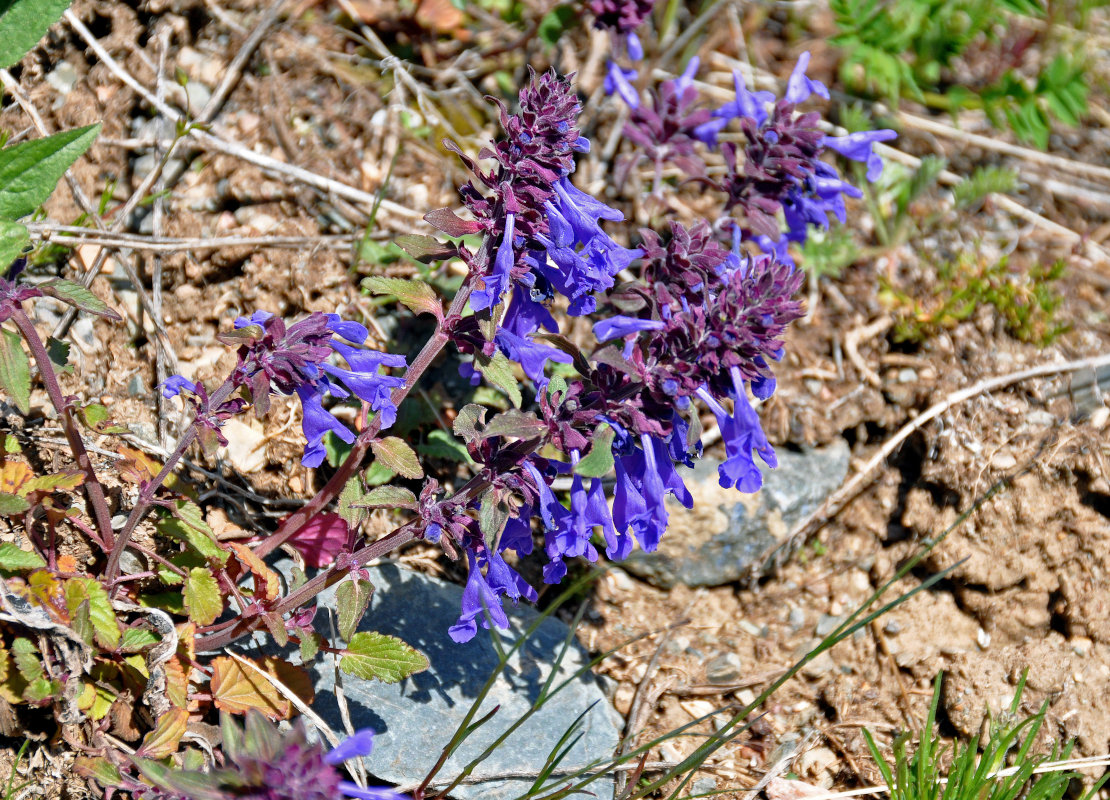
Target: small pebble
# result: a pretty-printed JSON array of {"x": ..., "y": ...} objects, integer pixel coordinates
[
  {"x": 907, "y": 375},
  {"x": 797, "y": 618},
  {"x": 724, "y": 669},
  {"x": 751, "y": 628},
  {"x": 703, "y": 785},
  {"x": 1003, "y": 460},
  {"x": 826, "y": 624},
  {"x": 892, "y": 628},
  {"x": 62, "y": 78}
]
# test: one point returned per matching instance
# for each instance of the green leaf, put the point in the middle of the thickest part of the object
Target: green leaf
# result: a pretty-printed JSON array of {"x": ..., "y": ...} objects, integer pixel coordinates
[
  {"x": 398, "y": 456},
  {"x": 188, "y": 525},
  {"x": 492, "y": 517},
  {"x": 388, "y": 497},
  {"x": 556, "y": 22},
  {"x": 30, "y": 171},
  {"x": 58, "y": 351},
  {"x": 425, "y": 249},
  {"x": 15, "y": 559},
  {"x": 374, "y": 655},
  {"x": 515, "y": 424},
  {"x": 377, "y": 473},
  {"x": 103, "y": 616},
  {"x": 417, "y": 295},
  {"x": 441, "y": 444},
  {"x": 24, "y": 23},
  {"x": 599, "y": 460},
  {"x": 95, "y": 416},
  {"x": 202, "y": 596},
  {"x": 78, "y": 296},
  {"x": 310, "y": 645},
  {"x": 135, "y": 639},
  {"x": 467, "y": 420},
  {"x": 499, "y": 372},
  {"x": 12, "y": 504},
  {"x": 13, "y": 238},
  {"x": 26, "y": 657},
  {"x": 99, "y": 769},
  {"x": 351, "y": 601},
  {"x": 15, "y": 370},
  {"x": 350, "y": 499}
]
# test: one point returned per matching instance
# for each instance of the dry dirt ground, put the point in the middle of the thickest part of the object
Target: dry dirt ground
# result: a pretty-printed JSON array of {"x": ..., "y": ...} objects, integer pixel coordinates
[{"x": 1029, "y": 587}]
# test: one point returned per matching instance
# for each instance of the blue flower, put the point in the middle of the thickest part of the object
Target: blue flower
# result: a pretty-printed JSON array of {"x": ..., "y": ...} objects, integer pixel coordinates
[
  {"x": 860, "y": 147},
  {"x": 483, "y": 593},
  {"x": 357, "y": 746},
  {"x": 742, "y": 435},
  {"x": 799, "y": 87},
  {"x": 294, "y": 360},
  {"x": 619, "y": 81}
]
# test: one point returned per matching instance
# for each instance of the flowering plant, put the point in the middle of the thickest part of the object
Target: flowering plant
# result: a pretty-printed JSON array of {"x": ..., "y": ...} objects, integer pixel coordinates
[{"x": 679, "y": 319}]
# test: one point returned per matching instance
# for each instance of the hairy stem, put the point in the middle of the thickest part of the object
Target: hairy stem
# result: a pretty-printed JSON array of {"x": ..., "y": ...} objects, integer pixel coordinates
[{"x": 93, "y": 490}]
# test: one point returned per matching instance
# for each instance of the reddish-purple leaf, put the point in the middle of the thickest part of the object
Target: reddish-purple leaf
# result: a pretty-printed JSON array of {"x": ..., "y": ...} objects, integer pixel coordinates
[
  {"x": 451, "y": 223},
  {"x": 321, "y": 539}
]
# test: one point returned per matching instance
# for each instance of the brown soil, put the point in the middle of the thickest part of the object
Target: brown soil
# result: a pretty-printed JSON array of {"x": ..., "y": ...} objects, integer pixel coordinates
[{"x": 1029, "y": 563}]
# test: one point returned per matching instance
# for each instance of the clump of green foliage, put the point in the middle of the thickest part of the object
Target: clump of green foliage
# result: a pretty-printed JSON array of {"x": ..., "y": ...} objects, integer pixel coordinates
[
  {"x": 1025, "y": 302},
  {"x": 975, "y": 775},
  {"x": 921, "y": 49}
]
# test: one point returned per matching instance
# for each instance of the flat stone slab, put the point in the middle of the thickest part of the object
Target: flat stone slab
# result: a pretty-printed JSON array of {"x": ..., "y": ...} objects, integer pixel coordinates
[
  {"x": 727, "y": 531},
  {"x": 414, "y": 719}
]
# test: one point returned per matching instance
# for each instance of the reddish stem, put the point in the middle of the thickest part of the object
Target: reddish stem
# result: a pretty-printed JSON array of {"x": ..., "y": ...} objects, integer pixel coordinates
[{"x": 93, "y": 490}]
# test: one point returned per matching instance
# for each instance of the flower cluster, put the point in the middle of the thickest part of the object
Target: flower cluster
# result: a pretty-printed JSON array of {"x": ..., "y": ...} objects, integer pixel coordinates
[
  {"x": 705, "y": 322},
  {"x": 778, "y": 175},
  {"x": 296, "y": 359},
  {"x": 621, "y": 18},
  {"x": 265, "y": 764}
]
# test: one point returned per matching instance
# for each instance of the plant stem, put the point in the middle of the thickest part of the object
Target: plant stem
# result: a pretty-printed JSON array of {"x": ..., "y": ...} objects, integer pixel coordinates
[
  {"x": 150, "y": 488},
  {"x": 93, "y": 490}
]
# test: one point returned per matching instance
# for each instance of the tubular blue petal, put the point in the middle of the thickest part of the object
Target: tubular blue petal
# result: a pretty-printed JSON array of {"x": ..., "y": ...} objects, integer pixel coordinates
[{"x": 356, "y": 746}]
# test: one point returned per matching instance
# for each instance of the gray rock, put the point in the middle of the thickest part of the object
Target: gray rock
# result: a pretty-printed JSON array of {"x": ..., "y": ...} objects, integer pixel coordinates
[
  {"x": 415, "y": 718},
  {"x": 726, "y": 532}
]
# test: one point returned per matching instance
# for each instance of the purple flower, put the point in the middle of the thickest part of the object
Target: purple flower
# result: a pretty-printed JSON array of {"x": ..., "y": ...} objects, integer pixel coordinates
[
  {"x": 483, "y": 593},
  {"x": 209, "y": 419},
  {"x": 619, "y": 81},
  {"x": 860, "y": 147},
  {"x": 799, "y": 87},
  {"x": 294, "y": 360}
]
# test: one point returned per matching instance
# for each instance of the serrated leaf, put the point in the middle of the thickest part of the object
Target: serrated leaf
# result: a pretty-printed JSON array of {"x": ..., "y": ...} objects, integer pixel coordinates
[
  {"x": 351, "y": 601},
  {"x": 498, "y": 370},
  {"x": 80, "y": 619},
  {"x": 78, "y": 296},
  {"x": 388, "y": 497},
  {"x": 29, "y": 171},
  {"x": 15, "y": 370},
  {"x": 166, "y": 735},
  {"x": 12, "y": 504},
  {"x": 58, "y": 351},
  {"x": 15, "y": 559},
  {"x": 515, "y": 424},
  {"x": 425, "y": 249},
  {"x": 452, "y": 224},
  {"x": 599, "y": 461},
  {"x": 203, "y": 599},
  {"x": 309, "y": 645},
  {"x": 237, "y": 689},
  {"x": 373, "y": 655},
  {"x": 398, "y": 456},
  {"x": 13, "y": 238},
  {"x": 417, "y": 295},
  {"x": 41, "y": 690},
  {"x": 26, "y": 658},
  {"x": 135, "y": 639},
  {"x": 23, "y": 24},
  {"x": 349, "y": 503},
  {"x": 187, "y": 524},
  {"x": 467, "y": 420},
  {"x": 101, "y": 613}
]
